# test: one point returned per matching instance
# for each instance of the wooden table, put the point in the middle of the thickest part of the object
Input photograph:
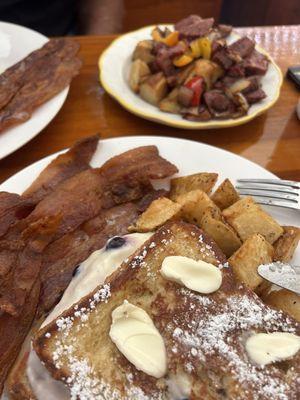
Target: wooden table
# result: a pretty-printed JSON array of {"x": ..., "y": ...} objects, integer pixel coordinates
[{"x": 271, "y": 140}]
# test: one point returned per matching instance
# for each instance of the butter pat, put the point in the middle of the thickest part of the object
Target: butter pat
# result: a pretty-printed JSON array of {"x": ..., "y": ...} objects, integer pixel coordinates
[
  {"x": 200, "y": 276},
  {"x": 135, "y": 335},
  {"x": 265, "y": 348}
]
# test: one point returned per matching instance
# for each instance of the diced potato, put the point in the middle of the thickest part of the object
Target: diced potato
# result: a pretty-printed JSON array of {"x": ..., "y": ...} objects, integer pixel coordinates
[
  {"x": 154, "y": 89},
  {"x": 209, "y": 70},
  {"x": 194, "y": 204},
  {"x": 169, "y": 103},
  {"x": 245, "y": 261},
  {"x": 286, "y": 301},
  {"x": 139, "y": 70},
  {"x": 159, "y": 212},
  {"x": 239, "y": 85},
  {"x": 204, "y": 181},
  {"x": 215, "y": 226},
  {"x": 247, "y": 218},
  {"x": 286, "y": 245},
  {"x": 225, "y": 195},
  {"x": 143, "y": 51}
]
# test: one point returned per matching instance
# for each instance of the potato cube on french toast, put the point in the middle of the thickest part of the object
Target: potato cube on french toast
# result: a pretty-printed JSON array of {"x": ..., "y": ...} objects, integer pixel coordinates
[
  {"x": 225, "y": 195},
  {"x": 244, "y": 262},
  {"x": 223, "y": 234},
  {"x": 286, "y": 245},
  {"x": 247, "y": 218},
  {"x": 284, "y": 300},
  {"x": 204, "y": 181},
  {"x": 193, "y": 204},
  {"x": 204, "y": 335},
  {"x": 159, "y": 212}
]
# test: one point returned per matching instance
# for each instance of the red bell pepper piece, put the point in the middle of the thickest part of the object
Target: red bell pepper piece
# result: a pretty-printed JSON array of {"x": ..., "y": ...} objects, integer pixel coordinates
[{"x": 196, "y": 84}]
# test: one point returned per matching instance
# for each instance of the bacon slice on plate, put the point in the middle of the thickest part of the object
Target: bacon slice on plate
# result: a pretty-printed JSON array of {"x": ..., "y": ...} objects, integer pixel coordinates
[{"x": 64, "y": 166}]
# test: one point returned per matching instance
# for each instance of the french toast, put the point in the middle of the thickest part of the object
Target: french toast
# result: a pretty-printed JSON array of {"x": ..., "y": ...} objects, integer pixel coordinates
[{"x": 204, "y": 335}]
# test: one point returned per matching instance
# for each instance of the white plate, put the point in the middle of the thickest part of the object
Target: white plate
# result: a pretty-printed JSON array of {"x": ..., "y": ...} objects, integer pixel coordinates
[
  {"x": 114, "y": 65},
  {"x": 23, "y": 41},
  {"x": 188, "y": 156}
]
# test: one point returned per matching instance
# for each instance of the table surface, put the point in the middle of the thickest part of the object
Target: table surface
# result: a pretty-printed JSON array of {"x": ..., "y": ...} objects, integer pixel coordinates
[{"x": 271, "y": 140}]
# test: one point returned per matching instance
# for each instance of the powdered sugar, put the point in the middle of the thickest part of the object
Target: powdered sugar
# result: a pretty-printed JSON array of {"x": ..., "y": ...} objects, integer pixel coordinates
[{"x": 214, "y": 335}]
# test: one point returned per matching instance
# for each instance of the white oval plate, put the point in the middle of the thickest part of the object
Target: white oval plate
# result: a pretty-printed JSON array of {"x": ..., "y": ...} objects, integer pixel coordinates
[
  {"x": 23, "y": 41},
  {"x": 114, "y": 65},
  {"x": 190, "y": 157}
]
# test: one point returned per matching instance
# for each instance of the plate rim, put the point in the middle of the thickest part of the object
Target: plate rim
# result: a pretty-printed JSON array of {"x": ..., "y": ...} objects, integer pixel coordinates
[
  {"x": 166, "y": 120},
  {"x": 63, "y": 93}
]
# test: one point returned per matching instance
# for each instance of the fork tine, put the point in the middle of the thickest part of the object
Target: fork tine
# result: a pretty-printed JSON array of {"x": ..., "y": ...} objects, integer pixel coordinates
[
  {"x": 278, "y": 182},
  {"x": 278, "y": 203},
  {"x": 266, "y": 187},
  {"x": 262, "y": 192}
]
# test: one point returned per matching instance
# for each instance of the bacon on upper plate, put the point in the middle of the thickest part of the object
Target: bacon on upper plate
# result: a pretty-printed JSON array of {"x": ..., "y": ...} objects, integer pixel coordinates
[{"x": 36, "y": 79}]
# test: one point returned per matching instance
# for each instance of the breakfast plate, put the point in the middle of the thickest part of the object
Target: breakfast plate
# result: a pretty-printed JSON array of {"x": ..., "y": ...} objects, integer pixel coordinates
[
  {"x": 189, "y": 156},
  {"x": 18, "y": 42},
  {"x": 114, "y": 65}
]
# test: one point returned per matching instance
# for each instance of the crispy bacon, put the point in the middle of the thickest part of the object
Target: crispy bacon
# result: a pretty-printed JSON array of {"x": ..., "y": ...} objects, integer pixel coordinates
[
  {"x": 64, "y": 166},
  {"x": 141, "y": 161},
  {"x": 36, "y": 79},
  {"x": 14, "y": 207},
  {"x": 13, "y": 331},
  {"x": 73, "y": 219},
  {"x": 123, "y": 178}
]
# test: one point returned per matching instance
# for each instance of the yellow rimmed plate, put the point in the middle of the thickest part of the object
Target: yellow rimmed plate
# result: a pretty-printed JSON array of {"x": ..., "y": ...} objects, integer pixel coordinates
[{"x": 114, "y": 65}]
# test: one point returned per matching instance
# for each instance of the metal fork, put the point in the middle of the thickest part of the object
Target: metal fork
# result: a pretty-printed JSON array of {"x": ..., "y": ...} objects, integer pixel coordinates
[{"x": 272, "y": 192}]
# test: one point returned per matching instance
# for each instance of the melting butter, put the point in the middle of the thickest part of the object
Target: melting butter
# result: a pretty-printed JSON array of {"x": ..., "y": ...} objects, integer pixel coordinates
[
  {"x": 199, "y": 275},
  {"x": 265, "y": 348},
  {"x": 137, "y": 338}
]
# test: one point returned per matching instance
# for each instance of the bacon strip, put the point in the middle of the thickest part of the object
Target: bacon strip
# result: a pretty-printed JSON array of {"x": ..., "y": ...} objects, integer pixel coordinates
[
  {"x": 64, "y": 166},
  {"x": 36, "y": 79},
  {"x": 14, "y": 207}
]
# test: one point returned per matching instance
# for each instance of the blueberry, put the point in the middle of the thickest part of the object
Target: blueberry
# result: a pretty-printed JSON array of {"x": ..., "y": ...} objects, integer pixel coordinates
[{"x": 115, "y": 243}]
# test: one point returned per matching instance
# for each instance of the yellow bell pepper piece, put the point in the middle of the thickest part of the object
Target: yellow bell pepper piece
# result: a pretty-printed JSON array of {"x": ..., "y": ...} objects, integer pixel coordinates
[
  {"x": 196, "y": 48},
  {"x": 182, "y": 60},
  {"x": 171, "y": 39},
  {"x": 205, "y": 48},
  {"x": 201, "y": 48}
]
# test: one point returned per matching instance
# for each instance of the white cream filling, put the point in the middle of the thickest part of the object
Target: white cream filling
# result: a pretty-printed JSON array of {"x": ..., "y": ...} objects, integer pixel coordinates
[
  {"x": 94, "y": 270},
  {"x": 42, "y": 383},
  {"x": 90, "y": 274}
]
